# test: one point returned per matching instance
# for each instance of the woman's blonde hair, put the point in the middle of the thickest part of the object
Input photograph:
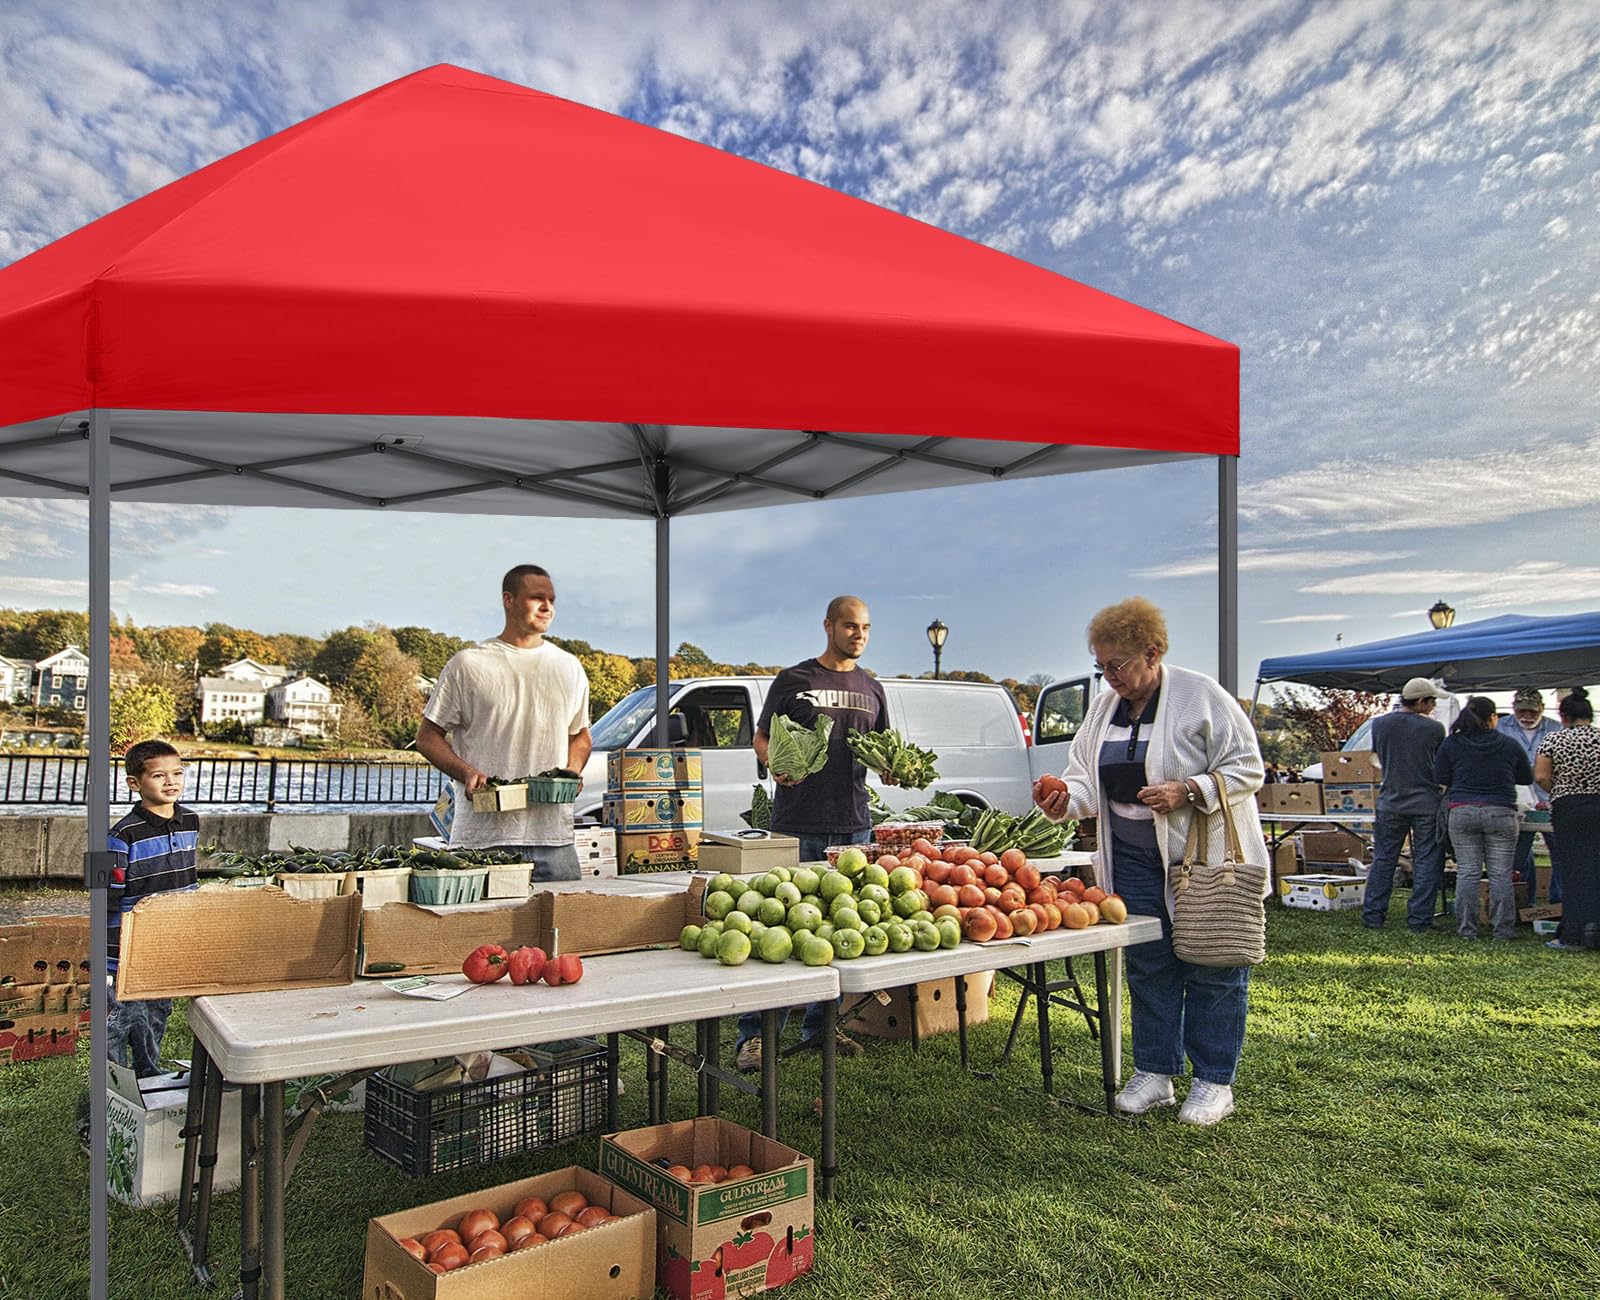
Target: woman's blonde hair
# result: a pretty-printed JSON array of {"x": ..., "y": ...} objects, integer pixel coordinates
[{"x": 1132, "y": 624}]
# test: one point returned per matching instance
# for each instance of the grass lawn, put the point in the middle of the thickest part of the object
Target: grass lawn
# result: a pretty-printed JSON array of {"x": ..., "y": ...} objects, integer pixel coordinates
[{"x": 1418, "y": 1117}]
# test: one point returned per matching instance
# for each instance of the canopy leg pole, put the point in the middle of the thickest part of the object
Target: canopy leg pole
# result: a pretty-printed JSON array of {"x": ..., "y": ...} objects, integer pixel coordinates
[
  {"x": 1255, "y": 700},
  {"x": 663, "y": 627},
  {"x": 1228, "y": 573},
  {"x": 98, "y": 795}
]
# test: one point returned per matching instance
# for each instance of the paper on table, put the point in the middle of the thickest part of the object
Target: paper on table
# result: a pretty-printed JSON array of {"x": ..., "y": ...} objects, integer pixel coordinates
[{"x": 420, "y": 986}]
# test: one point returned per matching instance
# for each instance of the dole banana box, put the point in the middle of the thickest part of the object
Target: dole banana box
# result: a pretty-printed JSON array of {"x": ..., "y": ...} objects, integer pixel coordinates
[
  {"x": 652, "y": 810},
  {"x": 652, "y": 769}
]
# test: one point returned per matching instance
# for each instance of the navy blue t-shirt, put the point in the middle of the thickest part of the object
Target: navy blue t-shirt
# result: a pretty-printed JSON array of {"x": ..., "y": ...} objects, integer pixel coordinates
[{"x": 834, "y": 800}]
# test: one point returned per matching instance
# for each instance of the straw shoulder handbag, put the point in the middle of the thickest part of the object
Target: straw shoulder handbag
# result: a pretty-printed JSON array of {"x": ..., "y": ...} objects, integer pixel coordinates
[{"x": 1218, "y": 914}]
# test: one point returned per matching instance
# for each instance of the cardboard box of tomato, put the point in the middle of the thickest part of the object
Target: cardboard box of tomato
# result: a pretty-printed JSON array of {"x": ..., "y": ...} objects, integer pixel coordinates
[
  {"x": 738, "y": 1237},
  {"x": 615, "y": 1261}
]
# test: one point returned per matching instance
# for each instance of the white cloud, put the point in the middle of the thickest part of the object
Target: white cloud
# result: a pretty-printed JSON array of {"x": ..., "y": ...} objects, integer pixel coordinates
[
  {"x": 1263, "y": 560},
  {"x": 1309, "y": 618},
  {"x": 1389, "y": 494},
  {"x": 1530, "y": 582}
]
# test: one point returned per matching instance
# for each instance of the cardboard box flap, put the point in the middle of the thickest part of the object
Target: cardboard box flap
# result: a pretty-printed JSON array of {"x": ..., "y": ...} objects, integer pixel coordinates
[
  {"x": 52, "y": 950},
  {"x": 433, "y": 941},
  {"x": 214, "y": 941},
  {"x": 590, "y": 923}
]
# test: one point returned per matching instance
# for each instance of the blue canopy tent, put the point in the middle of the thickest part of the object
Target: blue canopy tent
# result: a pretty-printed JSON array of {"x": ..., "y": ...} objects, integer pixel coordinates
[{"x": 1494, "y": 654}]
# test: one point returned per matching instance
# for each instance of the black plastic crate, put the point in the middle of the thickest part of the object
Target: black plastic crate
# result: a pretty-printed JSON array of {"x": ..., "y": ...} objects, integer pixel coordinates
[{"x": 471, "y": 1124}]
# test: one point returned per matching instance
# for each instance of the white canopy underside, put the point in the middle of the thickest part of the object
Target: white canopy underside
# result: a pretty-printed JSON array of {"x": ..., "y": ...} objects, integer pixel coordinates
[{"x": 507, "y": 467}]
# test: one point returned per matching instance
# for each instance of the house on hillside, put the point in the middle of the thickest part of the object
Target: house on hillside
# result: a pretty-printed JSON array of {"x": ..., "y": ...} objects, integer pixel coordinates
[
  {"x": 230, "y": 699},
  {"x": 303, "y": 704},
  {"x": 16, "y": 679},
  {"x": 61, "y": 680},
  {"x": 252, "y": 670}
]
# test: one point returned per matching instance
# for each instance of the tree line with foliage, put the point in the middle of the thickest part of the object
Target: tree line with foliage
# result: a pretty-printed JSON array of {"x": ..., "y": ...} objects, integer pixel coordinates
[
  {"x": 1303, "y": 723},
  {"x": 372, "y": 671}
]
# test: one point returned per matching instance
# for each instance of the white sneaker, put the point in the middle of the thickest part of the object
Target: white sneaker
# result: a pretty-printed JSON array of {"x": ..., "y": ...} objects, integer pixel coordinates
[
  {"x": 1206, "y": 1104},
  {"x": 1145, "y": 1091}
]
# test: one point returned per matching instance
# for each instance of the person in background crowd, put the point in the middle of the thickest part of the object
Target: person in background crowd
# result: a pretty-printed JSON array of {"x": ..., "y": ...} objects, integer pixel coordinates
[
  {"x": 1568, "y": 765},
  {"x": 1406, "y": 742},
  {"x": 1482, "y": 769},
  {"x": 1271, "y": 777},
  {"x": 1162, "y": 746},
  {"x": 1528, "y": 726},
  {"x": 830, "y": 806}
]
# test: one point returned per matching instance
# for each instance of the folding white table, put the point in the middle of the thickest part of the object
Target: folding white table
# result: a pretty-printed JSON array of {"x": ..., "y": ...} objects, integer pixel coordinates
[
  {"x": 259, "y": 1040},
  {"x": 894, "y": 970}
]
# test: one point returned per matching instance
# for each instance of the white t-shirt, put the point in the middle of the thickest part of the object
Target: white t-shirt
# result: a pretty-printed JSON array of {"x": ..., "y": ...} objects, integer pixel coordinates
[{"x": 509, "y": 712}]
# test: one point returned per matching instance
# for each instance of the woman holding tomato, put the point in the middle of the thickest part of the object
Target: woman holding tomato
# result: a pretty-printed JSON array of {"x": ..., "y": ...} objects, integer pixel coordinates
[{"x": 1146, "y": 760}]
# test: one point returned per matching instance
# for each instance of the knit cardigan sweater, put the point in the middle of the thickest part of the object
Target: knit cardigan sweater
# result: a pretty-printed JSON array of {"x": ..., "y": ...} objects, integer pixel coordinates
[{"x": 1199, "y": 729}]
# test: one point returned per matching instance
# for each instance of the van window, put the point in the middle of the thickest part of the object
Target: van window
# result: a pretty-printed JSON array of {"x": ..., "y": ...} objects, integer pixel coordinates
[
  {"x": 715, "y": 717},
  {"x": 1061, "y": 710},
  {"x": 624, "y": 718},
  {"x": 941, "y": 718}
]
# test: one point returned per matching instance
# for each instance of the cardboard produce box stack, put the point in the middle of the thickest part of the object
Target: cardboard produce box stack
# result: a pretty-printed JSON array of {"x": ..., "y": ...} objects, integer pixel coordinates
[
  {"x": 44, "y": 1000},
  {"x": 655, "y": 802},
  {"x": 1350, "y": 781}
]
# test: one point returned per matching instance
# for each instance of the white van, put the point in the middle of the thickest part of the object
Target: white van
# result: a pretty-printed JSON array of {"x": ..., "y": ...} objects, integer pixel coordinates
[{"x": 985, "y": 755}]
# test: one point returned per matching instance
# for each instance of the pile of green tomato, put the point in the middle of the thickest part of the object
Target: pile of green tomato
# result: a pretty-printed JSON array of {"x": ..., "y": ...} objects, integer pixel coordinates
[{"x": 816, "y": 914}]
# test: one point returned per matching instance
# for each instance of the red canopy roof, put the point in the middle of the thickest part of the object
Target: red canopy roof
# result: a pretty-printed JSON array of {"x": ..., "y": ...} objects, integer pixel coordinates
[{"x": 451, "y": 244}]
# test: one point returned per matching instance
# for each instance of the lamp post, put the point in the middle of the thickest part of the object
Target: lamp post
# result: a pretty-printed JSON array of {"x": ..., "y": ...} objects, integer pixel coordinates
[
  {"x": 937, "y": 632},
  {"x": 1441, "y": 615}
]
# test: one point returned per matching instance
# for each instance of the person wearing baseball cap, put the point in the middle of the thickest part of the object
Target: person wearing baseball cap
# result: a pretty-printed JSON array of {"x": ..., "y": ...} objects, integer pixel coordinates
[
  {"x": 1528, "y": 726},
  {"x": 1406, "y": 741}
]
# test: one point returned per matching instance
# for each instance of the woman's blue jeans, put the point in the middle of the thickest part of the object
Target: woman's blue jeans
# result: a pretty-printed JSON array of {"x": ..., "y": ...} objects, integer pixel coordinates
[{"x": 1178, "y": 1008}]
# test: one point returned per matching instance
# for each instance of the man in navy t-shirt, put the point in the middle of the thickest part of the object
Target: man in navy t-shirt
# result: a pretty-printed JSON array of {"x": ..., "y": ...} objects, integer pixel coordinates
[{"x": 829, "y": 806}]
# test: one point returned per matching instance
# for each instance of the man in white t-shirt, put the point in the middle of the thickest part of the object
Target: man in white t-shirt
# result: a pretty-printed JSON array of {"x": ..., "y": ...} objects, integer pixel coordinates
[{"x": 514, "y": 705}]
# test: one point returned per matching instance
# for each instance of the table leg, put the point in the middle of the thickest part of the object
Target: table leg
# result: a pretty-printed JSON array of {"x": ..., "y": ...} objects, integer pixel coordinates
[
  {"x": 1111, "y": 1012},
  {"x": 713, "y": 1054},
  {"x": 911, "y": 1011},
  {"x": 613, "y": 1082},
  {"x": 655, "y": 1067},
  {"x": 1041, "y": 983},
  {"x": 961, "y": 1016},
  {"x": 210, "y": 1134},
  {"x": 250, "y": 1192},
  {"x": 191, "y": 1132},
  {"x": 771, "y": 1028},
  {"x": 272, "y": 1184},
  {"x": 1110, "y": 1033},
  {"x": 1016, "y": 1022},
  {"x": 830, "y": 1052}
]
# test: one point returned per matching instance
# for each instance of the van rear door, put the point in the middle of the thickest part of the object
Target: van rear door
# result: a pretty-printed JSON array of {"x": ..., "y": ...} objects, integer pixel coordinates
[
  {"x": 975, "y": 731},
  {"x": 1056, "y": 720}
]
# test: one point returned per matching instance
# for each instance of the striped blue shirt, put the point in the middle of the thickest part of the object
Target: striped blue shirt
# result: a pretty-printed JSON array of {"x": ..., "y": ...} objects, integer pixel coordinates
[
  {"x": 155, "y": 855},
  {"x": 1122, "y": 773}
]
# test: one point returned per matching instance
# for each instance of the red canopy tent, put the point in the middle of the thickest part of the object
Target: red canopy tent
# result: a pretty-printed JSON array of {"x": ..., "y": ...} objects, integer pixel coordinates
[{"x": 456, "y": 291}]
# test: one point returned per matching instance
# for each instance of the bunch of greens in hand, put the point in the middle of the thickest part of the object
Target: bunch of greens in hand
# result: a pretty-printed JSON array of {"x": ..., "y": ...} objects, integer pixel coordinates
[
  {"x": 794, "y": 751},
  {"x": 895, "y": 759}
]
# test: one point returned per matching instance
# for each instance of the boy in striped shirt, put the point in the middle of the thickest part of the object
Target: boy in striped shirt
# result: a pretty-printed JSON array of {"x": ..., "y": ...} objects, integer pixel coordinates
[{"x": 155, "y": 850}]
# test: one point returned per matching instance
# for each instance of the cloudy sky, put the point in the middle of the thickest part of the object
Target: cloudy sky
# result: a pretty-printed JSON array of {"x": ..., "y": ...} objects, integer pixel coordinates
[{"x": 1392, "y": 208}]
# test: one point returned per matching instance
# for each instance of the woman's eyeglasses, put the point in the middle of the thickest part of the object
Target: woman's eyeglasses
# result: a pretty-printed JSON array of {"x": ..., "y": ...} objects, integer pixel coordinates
[{"x": 1113, "y": 669}]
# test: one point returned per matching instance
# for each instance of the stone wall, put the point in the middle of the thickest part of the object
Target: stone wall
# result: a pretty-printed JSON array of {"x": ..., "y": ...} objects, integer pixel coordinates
[{"x": 52, "y": 847}]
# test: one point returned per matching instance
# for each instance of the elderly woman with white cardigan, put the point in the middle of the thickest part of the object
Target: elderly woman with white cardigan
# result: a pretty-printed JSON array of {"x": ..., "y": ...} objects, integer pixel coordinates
[{"x": 1145, "y": 762}]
